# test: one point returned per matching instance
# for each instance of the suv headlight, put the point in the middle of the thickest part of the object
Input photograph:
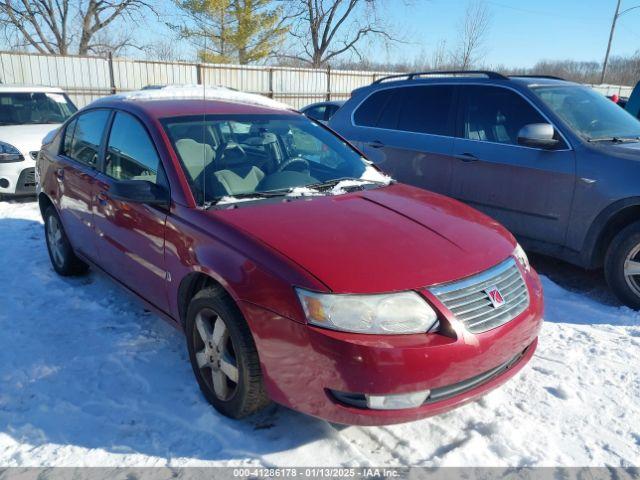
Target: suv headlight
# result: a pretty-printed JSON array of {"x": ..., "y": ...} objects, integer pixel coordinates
[
  {"x": 392, "y": 314},
  {"x": 521, "y": 257},
  {"x": 9, "y": 153}
]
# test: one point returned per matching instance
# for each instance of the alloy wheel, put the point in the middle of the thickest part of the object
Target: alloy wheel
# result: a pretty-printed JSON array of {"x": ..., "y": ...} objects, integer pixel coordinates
[
  {"x": 215, "y": 354},
  {"x": 55, "y": 240},
  {"x": 632, "y": 269}
]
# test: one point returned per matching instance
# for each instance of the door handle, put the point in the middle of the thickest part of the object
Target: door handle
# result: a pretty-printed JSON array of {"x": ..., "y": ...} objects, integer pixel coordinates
[
  {"x": 60, "y": 174},
  {"x": 102, "y": 198},
  {"x": 376, "y": 144},
  {"x": 467, "y": 157}
]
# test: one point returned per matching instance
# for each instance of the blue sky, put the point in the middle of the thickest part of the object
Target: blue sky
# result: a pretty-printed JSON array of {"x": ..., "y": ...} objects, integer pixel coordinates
[{"x": 521, "y": 31}]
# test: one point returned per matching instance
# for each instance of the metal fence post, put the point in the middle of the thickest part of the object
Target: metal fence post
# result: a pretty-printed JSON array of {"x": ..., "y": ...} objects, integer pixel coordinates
[
  {"x": 112, "y": 78},
  {"x": 328, "y": 83},
  {"x": 270, "y": 82},
  {"x": 199, "y": 73}
]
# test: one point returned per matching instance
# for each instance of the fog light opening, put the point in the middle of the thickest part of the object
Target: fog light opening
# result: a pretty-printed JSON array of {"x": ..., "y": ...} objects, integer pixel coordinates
[
  {"x": 397, "y": 402},
  {"x": 4, "y": 183}
]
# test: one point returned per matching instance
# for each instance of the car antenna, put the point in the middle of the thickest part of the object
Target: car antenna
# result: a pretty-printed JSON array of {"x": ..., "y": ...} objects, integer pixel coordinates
[{"x": 204, "y": 118}]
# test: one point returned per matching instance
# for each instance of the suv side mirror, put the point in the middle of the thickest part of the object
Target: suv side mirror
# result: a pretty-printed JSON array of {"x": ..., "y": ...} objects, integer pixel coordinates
[
  {"x": 538, "y": 135},
  {"x": 140, "y": 191}
]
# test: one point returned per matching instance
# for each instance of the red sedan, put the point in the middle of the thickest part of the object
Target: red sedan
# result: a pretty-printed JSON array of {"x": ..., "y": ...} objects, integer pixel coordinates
[{"x": 298, "y": 272}]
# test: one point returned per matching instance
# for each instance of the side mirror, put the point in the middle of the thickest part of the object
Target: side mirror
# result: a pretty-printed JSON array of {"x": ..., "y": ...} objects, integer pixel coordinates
[
  {"x": 538, "y": 135},
  {"x": 140, "y": 191}
]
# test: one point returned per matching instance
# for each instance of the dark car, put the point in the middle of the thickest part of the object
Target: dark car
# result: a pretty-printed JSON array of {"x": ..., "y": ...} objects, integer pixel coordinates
[
  {"x": 297, "y": 270},
  {"x": 555, "y": 162},
  {"x": 633, "y": 103},
  {"x": 322, "y": 111}
]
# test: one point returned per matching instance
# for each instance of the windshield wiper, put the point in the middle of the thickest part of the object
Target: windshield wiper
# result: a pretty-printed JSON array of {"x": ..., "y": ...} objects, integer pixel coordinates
[
  {"x": 320, "y": 186},
  {"x": 256, "y": 195},
  {"x": 614, "y": 139}
]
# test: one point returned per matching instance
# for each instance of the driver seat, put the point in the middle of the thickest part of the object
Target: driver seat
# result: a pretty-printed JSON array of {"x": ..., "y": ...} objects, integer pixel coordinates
[{"x": 239, "y": 182}]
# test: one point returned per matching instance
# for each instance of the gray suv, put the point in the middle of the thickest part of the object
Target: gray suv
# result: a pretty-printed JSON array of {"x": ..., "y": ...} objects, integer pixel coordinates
[{"x": 555, "y": 162}]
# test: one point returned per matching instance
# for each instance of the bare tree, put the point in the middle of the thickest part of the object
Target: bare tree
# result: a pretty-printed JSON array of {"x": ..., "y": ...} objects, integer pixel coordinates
[
  {"x": 66, "y": 26},
  {"x": 440, "y": 57},
  {"x": 325, "y": 29},
  {"x": 473, "y": 34}
]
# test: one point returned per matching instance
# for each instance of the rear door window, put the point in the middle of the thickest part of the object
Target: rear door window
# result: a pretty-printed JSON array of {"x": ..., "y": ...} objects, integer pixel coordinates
[
  {"x": 329, "y": 111},
  {"x": 317, "y": 113},
  {"x": 83, "y": 145},
  {"x": 495, "y": 114},
  {"x": 426, "y": 109},
  {"x": 369, "y": 112}
]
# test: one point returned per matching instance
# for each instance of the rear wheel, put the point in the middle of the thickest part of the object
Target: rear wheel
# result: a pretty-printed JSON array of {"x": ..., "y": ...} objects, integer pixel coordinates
[
  {"x": 622, "y": 265},
  {"x": 64, "y": 260},
  {"x": 223, "y": 355}
]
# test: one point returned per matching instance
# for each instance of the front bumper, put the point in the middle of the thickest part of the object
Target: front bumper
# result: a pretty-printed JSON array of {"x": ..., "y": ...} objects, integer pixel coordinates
[
  {"x": 303, "y": 365},
  {"x": 18, "y": 178}
]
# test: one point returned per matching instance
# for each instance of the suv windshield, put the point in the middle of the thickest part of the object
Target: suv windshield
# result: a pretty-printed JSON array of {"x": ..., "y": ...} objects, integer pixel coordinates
[
  {"x": 590, "y": 114},
  {"x": 21, "y": 108},
  {"x": 247, "y": 156}
]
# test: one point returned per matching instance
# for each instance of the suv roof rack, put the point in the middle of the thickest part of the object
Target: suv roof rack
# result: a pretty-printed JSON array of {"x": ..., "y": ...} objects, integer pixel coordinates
[
  {"x": 550, "y": 77},
  {"x": 412, "y": 75}
]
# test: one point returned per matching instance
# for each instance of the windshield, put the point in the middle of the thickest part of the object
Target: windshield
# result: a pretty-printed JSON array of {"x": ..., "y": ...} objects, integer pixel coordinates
[
  {"x": 254, "y": 156},
  {"x": 21, "y": 108},
  {"x": 590, "y": 114}
]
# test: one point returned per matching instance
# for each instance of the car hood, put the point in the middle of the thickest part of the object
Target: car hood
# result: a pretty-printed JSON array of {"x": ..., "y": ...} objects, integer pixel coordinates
[
  {"x": 387, "y": 239},
  {"x": 26, "y": 138}
]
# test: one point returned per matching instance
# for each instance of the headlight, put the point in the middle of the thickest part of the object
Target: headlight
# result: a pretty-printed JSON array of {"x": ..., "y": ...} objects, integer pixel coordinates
[
  {"x": 521, "y": 257},
  {"x": 394, "y": 313},
  {"x": 9, "y": 153}
]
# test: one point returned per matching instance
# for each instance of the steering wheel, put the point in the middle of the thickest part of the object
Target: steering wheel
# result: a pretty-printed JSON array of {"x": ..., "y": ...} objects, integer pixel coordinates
[
  {"x": 291, "y": 161},
  {"x": 229, "y": 145}
]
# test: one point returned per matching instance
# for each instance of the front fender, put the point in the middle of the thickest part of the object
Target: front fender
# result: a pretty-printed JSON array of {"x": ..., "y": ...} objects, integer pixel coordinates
[{"x": 247, "y": 269}]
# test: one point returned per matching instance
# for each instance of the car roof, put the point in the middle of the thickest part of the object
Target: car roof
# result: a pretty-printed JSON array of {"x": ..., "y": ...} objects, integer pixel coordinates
[
  {"x": 193, "y": 100},
  {"x": 4, "y": 87},
  {"x": 521, "y": 81},
  {"x": 337, "y": 103}
]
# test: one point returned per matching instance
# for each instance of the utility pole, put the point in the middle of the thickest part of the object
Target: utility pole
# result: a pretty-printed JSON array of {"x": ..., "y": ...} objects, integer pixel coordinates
[{"x": 613, "y": 28}]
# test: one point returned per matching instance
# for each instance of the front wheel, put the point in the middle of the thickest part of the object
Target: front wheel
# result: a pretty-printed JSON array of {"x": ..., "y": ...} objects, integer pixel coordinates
[
  {"x": 223, "y": 355},
  {"x": 64, "y": 260},
  {"x": 622, "y": 265}
]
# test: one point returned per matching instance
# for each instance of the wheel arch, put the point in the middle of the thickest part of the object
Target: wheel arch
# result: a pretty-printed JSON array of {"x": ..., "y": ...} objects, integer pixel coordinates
[
  {"x": 191, "y": 284},
  {"x": 44, "y": 202},
  {"x": 607, "y": 224}
]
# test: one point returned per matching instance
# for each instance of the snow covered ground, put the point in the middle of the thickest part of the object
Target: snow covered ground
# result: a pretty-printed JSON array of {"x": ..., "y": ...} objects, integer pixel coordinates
[{"x": 87, "y": 377}]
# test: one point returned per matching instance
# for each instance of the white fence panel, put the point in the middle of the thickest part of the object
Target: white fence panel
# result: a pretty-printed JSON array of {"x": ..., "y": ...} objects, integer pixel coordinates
[
  {"x": 135, "y": 74},
  {"x": 620, "y": 90},
  {"x": 240, "y": 77},
  {"x": 84, "y": 78},
  {"x": 88, "y": 78}
]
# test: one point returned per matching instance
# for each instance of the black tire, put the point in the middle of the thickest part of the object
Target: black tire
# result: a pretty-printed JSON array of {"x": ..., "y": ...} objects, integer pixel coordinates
[
  {"x": 623, "y": 247},
  {"x": 64, "y": 260},
  {"x": 248, "y": 394}
]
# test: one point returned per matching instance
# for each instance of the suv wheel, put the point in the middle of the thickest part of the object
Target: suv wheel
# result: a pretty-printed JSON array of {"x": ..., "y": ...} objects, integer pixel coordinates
[
  {"x": 64, "y": 260},
  {"x": 622, "y": 265},
  {"x": 223, "y": 355}
]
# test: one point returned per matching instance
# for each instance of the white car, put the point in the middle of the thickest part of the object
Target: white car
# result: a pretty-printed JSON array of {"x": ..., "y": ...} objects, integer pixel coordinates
[{"x": 27, "y": 114}]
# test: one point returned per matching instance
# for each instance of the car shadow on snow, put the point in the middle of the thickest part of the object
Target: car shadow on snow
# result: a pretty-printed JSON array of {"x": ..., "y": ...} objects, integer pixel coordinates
[{"x": 83, "y": 364}]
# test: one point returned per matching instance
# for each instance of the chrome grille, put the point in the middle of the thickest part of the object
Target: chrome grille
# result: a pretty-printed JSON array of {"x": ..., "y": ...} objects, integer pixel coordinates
[{"x": 469, "y": 302}]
